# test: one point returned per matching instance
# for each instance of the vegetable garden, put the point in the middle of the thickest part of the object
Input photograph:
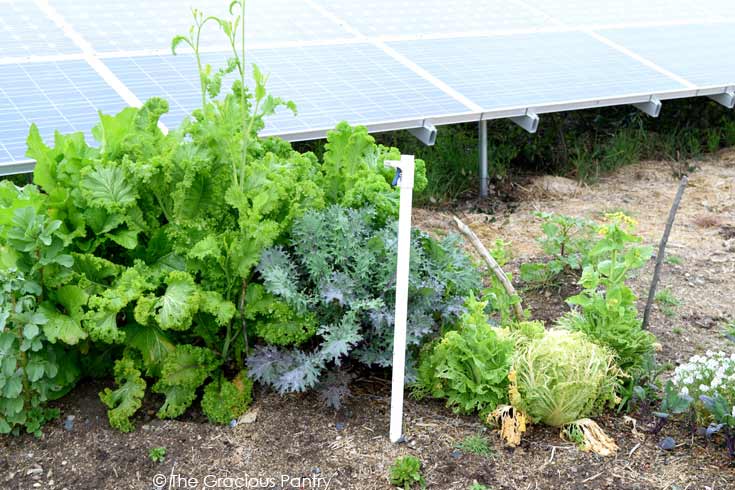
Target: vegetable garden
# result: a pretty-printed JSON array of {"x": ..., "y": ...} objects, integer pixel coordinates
[{"x": 207, "y": 276}]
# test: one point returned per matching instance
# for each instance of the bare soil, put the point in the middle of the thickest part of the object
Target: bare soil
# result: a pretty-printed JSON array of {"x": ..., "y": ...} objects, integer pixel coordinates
[{"x": 295, "y": 437}]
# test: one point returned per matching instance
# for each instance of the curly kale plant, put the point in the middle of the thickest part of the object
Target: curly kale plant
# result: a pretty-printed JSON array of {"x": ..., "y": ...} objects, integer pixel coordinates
[
  {"x": 469, "y": 366},
  {"x": 225, "y": 400},
  {"x": 341, "y": 266}
]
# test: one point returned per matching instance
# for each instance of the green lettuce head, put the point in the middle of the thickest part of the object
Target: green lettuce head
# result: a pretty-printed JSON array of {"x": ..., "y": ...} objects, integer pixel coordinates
[{"x": 562, "y": 377}]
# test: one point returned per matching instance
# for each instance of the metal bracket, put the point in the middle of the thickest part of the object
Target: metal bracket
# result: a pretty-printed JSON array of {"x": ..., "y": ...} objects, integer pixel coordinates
[
  {"x": 425, "y": 134},
  {"x": 727, "y": 99},
  {"x": 528, "y": 121},
  {"x": 652, "y": 107}
]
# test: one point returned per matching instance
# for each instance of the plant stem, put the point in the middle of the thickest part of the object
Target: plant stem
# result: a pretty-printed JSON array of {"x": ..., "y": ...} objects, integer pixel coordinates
[
  {"x": 243, "y": 292},
  {"x": 245, "y": 135}
]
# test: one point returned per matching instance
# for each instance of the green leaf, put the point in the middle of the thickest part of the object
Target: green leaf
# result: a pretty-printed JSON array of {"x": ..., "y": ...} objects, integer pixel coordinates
[
  {"x": 184, "y": 370},
  {"x": 30, "y": 331},
  {"x": 197, "y": 199},
  {"x": 213, "y": 303},
  {"x": 176, "y": 308},
  {"x": 107, "y": 188},
  {"x": 125, "y": 238},
  {"x": 44, "y": 172},
  {"x": 127, "y": 398},
  {"x": 178, "y": 399},
  {"x": 62, "y": 327},
  {"x": 34, "y": 370},
  {"x": 152, "y": 343},
  {"x": 13, "y": 387},
  {"x": 208, "y": 247},
  {"x": 176, "y": 41}
]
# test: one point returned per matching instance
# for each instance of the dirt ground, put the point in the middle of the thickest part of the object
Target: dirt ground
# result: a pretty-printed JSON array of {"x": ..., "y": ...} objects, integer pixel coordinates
[{"x": 295, "y": 438}]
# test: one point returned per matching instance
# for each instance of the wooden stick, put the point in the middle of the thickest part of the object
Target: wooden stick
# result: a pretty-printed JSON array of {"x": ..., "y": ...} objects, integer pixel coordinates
[
  {"x": 662, "y": 250},
  {"x": 497, "y": 270}
]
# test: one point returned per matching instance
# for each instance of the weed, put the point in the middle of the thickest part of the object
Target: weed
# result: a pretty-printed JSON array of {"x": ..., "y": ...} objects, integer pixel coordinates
[
  {"x": 479, "y": 486},
  {"x": 667, "y": 302},
  {"x": 729, "y": 330},
  {"x": 475, "y": 444},
  {"x": 674, "y": 260},
  {"x": 157, "y": 454},
  {"x": 714, "y": 140},
  {"x": 406, "y": 473},
  {"x": 677, "y": 331},
  {"x": 666, "y": 297}
]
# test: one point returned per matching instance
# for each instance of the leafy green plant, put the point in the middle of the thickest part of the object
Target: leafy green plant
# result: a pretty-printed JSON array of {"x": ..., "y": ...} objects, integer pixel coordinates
[
  {"x": 673, "y": 402},
  {"x": 606, "y": 309},
  {"x": 406, "y": 473},
  {"x": 643, "y": 387},
  {"x": 468, "y": 366},
  {"x": 562, "y": 377},
  {"x": 224, "y": 400},
  {"x": 340, "y": 266},
  {"x": 729, "y": 330},
  {"x": 34, "y": 364},
  {"x": 567, "y": 240},
  {"x": 478, "y": 486},
  {"x": 157, "y": 454},
  {"x": 673, "y": 259},
  {"x": 723, "y": 419},
  {"x": 475, "y": 444},
  {"x": 143, "y": 249}
]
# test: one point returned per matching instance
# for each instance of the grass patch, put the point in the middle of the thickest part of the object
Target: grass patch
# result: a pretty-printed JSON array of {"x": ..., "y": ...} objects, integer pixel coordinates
[
  {"x": 476, "y": 444},
  {"x": 673, "y": 260},
  {"x": 667, "y": 302},
  {"x": 729, "y": 330}
]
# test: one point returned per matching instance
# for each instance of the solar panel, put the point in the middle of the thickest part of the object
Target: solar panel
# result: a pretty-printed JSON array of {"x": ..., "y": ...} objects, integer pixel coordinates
[
  {"x": 142, "y": 25},
  {"x": 433, "y": 17},
  {"x": 63, "y": 96},
  {"x": 26, "y": 31},
  {"x": 388, "y": 64},
  {"x": 590, "y": 14},
  {"x": 698, "y": 53},
  {"x": 354, "y": 82},
  {"x": 545, "y": 68}
]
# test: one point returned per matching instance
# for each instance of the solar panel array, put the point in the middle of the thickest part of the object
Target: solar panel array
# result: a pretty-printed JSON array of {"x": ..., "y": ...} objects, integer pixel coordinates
[{"x": 386, "y": 64}]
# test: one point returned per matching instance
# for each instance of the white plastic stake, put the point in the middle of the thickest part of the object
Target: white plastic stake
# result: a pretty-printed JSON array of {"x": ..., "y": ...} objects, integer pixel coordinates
[{"x": 406, "y": 168}]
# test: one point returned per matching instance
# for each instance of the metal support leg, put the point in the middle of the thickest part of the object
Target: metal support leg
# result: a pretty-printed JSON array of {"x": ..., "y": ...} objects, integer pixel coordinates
[{"x": 484, "y": 181}]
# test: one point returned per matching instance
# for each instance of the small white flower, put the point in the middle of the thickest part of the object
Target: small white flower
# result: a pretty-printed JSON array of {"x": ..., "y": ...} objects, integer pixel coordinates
[
  {"x": 703, "y": 388},
  {"x": 685, "y": 392}
]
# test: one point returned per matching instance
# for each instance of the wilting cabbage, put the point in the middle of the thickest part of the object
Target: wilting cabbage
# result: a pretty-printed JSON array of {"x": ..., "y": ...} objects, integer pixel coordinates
[{"x": 562, "y": 377}]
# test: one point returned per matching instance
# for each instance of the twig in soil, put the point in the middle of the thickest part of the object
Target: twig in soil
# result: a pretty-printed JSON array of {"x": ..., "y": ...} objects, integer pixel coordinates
[
  {"x": 494, "y": 267},
  {"x": 662, "y": 249},
  {"x": 592, "y": 477},
  {"x": 634, "y": 449}
]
